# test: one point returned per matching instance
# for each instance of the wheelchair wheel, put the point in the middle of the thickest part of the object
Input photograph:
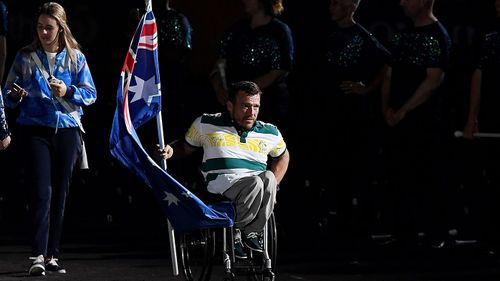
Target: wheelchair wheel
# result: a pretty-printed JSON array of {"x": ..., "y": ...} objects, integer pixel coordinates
[
  {"x": 267, "y": 274},
  {"x": 272, "y": 240},
  {"x": 196, "y": 254}
]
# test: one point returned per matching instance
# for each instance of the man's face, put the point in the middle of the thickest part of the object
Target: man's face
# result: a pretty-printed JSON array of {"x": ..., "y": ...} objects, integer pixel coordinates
[
  {"x": 245, "y": 109},
  {"x": 412, "y": 7},
  {"x": 340, "y": 9},
  {"x": 251, "y": 7}
]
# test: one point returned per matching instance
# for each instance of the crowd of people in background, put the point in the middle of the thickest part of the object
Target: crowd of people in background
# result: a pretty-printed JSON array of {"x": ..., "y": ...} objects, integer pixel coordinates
[{"x": 369, "y": 120}]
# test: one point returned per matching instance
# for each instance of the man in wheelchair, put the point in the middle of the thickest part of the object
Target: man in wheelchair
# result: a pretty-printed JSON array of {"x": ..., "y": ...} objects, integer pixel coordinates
[{"x": 236, "y": 152}]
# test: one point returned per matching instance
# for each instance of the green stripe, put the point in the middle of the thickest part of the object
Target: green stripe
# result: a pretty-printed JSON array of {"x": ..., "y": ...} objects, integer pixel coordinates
[
  {"x": 231, "y": 163},
  {"x": 265, "y": 129},
  {"x": 212, "y": 176},
  {"x": 215, "y": 120}
]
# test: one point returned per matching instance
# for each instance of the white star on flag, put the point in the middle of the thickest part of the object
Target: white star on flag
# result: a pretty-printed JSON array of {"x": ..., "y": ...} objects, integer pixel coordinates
[
  {"x": 148, "y": 89},
  {"x": 170, "y": 198}
]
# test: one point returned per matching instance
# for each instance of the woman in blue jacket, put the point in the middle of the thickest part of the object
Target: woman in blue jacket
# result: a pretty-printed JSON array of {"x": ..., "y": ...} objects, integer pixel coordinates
[{"x": 50, "y": 82}]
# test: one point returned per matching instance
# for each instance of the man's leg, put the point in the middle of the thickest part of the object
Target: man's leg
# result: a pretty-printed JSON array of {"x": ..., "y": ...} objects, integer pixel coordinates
[
  {"x": 246, "y": 194},
  {"x": 269, "y": 199}
]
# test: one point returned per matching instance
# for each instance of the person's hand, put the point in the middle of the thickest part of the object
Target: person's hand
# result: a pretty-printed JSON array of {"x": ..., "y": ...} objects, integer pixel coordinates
[
  {"x": 389, "y": 116},
  {"x": 353, "y": 87},
  {"x": 398, "y": 116},
  {"x": 16, "y": 92},
  {"x": 470, "y": 129},
  {"x": 5, "y": 143},
  {"x": 163, "y": 154},
  {"x": 58, "y": 87},
  {"x": 394, "y": 117}
]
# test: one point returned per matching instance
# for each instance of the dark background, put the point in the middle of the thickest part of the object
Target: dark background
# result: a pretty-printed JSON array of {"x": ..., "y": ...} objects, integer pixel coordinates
[{"x": 107, "y": 198}]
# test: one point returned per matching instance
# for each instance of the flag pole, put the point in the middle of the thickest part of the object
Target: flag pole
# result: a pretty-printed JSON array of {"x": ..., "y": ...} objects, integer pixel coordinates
[
  {"x": 161, "y": 142},
  {"x": 171, "y": 232},
  {"x": 459, "y": 134}
]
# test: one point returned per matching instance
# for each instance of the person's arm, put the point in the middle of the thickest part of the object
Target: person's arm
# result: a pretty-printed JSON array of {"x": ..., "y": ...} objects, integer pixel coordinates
[
  {"x": 386, "y": 93},
  {"x": 179, "y": 146},
  {"x": 218, "y": 81},
  {"x": 359, "y": 88},
  {"x": 432, "y": 80},
  {"x": 4, "y": 129},
  {"x": 3, "y": 56},
  {"x": 474, "y": 104},
  {"x": 83, "y": 92},
  {"x": 15, "y": 93},
  {"x": 279, "y": 166},
  {"x": 262, "y": 81},
  {"x": 268, "y": 79},
  {"x": 281, "y": 65}
]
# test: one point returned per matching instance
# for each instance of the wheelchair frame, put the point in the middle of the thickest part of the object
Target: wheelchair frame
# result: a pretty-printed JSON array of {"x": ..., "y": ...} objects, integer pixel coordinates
[{"x": 198, "y": 254}]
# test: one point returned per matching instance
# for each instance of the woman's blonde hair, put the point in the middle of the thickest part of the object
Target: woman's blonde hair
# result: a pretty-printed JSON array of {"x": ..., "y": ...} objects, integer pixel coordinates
[{"x": 66, "y": 38}]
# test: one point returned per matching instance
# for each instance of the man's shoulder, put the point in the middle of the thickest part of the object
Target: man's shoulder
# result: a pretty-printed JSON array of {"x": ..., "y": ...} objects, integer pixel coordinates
[
  {"x": 266, "y": 128},
  {"x": 217, "y": 119}
]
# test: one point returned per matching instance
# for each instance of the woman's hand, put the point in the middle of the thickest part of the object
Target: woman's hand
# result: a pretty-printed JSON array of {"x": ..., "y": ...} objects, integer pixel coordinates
[
  {"x": 4, "y": 143},
  {"x": 58, "y": 87},
  {"x": 17, "y": 93}
]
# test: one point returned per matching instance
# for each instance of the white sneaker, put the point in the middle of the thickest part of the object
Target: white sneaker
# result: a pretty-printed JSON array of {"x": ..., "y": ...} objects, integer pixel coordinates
[
  {"x": 37, "y": 267},
  {"x": 52, "y": 265}
]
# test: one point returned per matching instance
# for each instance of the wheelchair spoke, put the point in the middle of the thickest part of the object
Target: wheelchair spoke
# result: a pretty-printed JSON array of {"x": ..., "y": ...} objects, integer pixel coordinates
[{"x": 196, "y": 255}]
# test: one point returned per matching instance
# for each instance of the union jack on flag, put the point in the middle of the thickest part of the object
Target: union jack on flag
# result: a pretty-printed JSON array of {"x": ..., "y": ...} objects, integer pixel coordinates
[
  {"x": 140, "y": 74},
  {"x": 138, "y": 101}
]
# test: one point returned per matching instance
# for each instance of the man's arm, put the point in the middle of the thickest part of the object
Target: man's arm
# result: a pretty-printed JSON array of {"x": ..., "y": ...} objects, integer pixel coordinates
[
  {"x": 358, "y": 88},
  {"x": 268, "y": 79},
  {"x": 280, "y": 165},
  {"x": 218, "y": 81},
  {"x": 474, "y": 103},
  {"x": 181, "y": 148},
  {"x": 386, "y": 92},
  {"x": 432, "y": 80}
]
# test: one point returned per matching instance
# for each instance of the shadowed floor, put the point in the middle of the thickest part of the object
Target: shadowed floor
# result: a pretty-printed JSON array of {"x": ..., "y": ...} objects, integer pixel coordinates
[{"x": 144, "y": 256}]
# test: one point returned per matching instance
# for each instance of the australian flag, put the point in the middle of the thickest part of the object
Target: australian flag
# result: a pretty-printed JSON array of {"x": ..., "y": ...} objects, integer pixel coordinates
[{"x": 138, "y": 101}]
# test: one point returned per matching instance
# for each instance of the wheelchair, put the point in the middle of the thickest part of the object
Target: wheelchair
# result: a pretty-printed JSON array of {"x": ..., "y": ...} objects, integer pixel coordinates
[{"x": 200, "y": 252}]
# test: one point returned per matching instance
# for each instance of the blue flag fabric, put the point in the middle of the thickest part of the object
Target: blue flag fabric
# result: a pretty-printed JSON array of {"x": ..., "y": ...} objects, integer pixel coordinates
[{"x": 138, "y": 101}]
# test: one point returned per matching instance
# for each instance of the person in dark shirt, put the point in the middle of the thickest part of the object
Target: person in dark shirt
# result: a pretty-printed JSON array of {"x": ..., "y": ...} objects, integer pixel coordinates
[
  {"x": 174, "y": 48},
  {"x": 347, "y": 80},
  {"x": 413, "y": 106},
  {"x": 259, "y": 48},
  {"x": 484, "y": 97},
  {"x": 174, "y": 33},
  {"x": 483, "y": 154}
]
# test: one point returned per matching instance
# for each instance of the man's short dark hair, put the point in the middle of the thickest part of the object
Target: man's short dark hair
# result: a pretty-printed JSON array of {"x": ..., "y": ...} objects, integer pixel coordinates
[{"x": 248, "y": 87}]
